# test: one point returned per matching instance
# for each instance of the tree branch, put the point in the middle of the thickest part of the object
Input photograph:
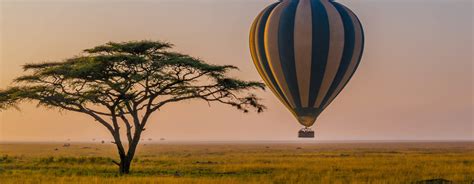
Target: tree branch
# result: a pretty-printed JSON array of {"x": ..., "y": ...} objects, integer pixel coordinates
[{"x": 127, "y": 125}]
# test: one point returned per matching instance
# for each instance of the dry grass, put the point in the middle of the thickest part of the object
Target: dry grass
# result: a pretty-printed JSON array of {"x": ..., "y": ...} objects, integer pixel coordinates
[{"x": 241, "y": 163}]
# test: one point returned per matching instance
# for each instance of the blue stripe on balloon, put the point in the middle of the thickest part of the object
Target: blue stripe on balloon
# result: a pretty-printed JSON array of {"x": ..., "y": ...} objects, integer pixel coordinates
[
  {"x": 261, "y": 47},
  {"x": 348, "y": 52},
  {"x": 287, "y": 50},
  {"x": 320, "y": 48}
]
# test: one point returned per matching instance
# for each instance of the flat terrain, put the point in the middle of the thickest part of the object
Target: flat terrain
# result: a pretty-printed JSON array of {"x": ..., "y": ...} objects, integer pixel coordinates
[{"x": 407, "y": 162}]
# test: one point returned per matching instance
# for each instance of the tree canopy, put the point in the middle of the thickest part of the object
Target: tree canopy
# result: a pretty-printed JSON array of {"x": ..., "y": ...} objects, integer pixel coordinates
[{"x": 122, "y": 84}]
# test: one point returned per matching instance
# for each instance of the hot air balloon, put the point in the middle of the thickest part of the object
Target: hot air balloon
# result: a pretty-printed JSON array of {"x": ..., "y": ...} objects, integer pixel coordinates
[{"x": 306, "y": 51}]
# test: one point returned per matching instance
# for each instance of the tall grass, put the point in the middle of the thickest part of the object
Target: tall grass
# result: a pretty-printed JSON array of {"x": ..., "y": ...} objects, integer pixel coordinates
[{"x": 311, "y": 163}]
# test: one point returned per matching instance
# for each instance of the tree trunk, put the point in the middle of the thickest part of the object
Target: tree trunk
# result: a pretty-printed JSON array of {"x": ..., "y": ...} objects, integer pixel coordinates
[
  {"x": 124, "y": 167},
  {"x": 126, "y": 160}
]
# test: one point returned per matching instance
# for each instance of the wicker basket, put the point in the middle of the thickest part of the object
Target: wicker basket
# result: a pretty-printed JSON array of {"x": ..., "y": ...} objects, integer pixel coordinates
[{"x": 306, "y": 133}]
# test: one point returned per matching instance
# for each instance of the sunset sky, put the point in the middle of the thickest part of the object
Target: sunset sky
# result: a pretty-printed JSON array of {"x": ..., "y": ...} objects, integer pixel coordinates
[{"x": 415, "y": 81}]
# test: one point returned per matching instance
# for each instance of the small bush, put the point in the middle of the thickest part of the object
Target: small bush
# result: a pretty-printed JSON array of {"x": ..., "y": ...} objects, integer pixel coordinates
[{"x": 76, "y": 160}]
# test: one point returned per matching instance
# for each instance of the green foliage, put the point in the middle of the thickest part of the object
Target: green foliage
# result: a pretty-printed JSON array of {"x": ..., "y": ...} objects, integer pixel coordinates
[
  {"x": 140, "y": 47},
  {"x": 116, "y": 74},
  {"x": 119, "y": 73}
]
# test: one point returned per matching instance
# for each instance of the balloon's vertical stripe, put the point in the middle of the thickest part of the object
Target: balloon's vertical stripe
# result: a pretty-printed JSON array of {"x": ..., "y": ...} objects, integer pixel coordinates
[
  {"x": 357, "y": 54},
  {"x": 253, "y": 49},
  {"x": 349, "y": 45},
  {"x": 253, "y": 45},
  {"x": 336, "y": 48},
  {"x": 272, "y": 50},
  {"x": 261, "y": 60},
  {"x": 303, "y": 45},
  {"x": 287, "y": 50},
  {"x": 320, "y": 49}
]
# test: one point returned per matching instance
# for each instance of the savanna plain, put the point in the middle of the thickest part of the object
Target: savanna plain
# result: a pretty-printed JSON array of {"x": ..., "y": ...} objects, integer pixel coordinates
[{"x": 264, "y": 162}]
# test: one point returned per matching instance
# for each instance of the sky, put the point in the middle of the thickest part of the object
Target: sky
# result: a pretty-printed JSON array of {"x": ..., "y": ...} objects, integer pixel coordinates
[{"x": 415, "y": 81}]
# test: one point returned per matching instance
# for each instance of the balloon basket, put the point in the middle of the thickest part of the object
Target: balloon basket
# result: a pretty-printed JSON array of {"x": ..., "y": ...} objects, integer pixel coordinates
[{"x": 306, "y": 133}]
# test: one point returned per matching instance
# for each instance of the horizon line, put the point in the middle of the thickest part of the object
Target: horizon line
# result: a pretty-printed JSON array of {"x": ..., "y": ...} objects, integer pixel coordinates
[{"x": 313, "y": 141}]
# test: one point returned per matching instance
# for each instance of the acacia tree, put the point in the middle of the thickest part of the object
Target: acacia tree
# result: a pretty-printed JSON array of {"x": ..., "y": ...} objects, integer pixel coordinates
[{"x": 121, "y": 85}]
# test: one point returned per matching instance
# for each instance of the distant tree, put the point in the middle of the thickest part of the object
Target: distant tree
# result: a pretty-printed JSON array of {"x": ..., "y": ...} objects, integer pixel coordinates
[{"x": 121, "y": 85}]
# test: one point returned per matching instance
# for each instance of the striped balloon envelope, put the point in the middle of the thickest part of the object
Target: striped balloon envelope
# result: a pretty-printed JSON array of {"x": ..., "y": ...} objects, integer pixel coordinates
[{"x": 306, "y": 51}]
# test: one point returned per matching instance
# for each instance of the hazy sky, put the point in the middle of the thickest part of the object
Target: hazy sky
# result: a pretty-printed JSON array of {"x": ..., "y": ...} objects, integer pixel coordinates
[{"x": 415, "y": 80}]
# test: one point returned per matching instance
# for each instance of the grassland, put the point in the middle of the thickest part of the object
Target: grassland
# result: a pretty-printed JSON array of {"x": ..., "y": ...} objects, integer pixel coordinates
[{"x": 240, "y": 163}]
